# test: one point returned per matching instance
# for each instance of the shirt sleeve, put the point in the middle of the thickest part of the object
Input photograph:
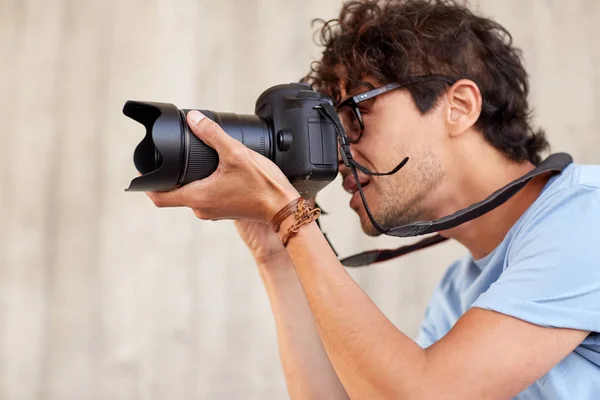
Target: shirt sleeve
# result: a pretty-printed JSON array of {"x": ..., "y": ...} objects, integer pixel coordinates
[
  {"x": 552, "y": 277},
  {"x": 443, "y": 309},
  {"x": 426, "y": 336}
]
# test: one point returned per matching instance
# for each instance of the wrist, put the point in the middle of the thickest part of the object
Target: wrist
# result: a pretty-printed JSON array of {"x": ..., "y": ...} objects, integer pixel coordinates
[
  {"x": 279, "y": 201},
  {"x": 292, "y": 217},
  {"x": 285, "y": 226},
  {"x": 272, "y": 259},
  {"x": 276, "y": 268}
]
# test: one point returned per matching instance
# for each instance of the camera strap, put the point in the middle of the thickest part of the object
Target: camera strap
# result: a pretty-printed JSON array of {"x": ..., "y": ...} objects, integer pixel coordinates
[{"x": 554, "y": 163}]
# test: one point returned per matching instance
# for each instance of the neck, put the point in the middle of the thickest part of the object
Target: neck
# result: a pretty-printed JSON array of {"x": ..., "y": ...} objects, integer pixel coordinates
[{"x": 482, "y": 235}]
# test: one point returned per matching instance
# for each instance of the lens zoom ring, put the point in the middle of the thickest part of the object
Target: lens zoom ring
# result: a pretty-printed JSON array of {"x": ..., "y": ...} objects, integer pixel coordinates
[
  {"x": 262, "y": 146},
  {"x": 202, "y": 161}
]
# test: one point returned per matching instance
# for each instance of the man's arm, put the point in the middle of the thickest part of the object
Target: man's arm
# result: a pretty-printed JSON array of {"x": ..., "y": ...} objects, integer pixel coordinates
[
  {"x": 308, "y": 371},
  {"x": 485, "y": 355}
]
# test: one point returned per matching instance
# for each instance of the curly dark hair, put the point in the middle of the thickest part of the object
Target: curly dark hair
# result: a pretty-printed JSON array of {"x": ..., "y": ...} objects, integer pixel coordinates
[{"x": 393, "y": 40}]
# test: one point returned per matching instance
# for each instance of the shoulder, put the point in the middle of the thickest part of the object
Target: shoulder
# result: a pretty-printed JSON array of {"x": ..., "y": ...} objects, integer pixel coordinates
[
  {"x": 566, "y": 213},
  {"x": 455, "y": 275},
  {"x": 587, "y": 175},
  {"x": 577, "y": 174},
  {"x": 574, "y": 181},
  {"x": 552, "y": 273}
]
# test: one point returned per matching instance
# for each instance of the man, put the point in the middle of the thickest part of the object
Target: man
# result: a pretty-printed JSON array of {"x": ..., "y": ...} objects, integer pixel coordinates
[{"x": 519, "y": 316}]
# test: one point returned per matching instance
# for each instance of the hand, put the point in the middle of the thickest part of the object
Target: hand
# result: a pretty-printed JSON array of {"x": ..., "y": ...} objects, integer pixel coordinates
[{"x": 245, "y": 185}]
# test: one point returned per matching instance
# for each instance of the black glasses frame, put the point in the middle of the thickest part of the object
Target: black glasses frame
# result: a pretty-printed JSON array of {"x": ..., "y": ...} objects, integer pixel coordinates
[{"x": 354, "y": 101}]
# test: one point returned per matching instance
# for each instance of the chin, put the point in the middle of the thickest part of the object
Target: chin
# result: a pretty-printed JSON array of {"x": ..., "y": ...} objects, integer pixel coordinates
[
  {"x": 369, "y": 229},
  {"x": 365, "y": 223},
  {"x": 387, "y": 218}
]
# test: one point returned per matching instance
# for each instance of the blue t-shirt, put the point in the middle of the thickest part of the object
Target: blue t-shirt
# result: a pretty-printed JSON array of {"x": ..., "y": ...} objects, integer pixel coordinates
[{"x": 546, "y": 271}]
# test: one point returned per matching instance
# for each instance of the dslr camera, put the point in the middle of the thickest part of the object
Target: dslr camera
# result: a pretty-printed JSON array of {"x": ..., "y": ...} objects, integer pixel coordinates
[{"x": 287, "y": 128}]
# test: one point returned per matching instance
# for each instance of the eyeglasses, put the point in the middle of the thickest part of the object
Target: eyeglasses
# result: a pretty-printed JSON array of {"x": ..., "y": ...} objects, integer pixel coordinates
[{"x": 349, "y": 112}]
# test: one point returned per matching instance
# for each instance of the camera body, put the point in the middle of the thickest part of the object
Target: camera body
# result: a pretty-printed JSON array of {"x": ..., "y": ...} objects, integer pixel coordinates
[
  {"x": 305, "y": 144},
  {"x": 287, "y": 129}
]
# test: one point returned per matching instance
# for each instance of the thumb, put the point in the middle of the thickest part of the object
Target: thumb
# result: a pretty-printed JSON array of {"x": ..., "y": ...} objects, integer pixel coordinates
[{"x": 210, "y": 132}]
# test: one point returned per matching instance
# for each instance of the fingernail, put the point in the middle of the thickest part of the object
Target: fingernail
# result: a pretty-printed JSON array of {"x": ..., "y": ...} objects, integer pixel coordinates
[{"x": 195, "y": 116}]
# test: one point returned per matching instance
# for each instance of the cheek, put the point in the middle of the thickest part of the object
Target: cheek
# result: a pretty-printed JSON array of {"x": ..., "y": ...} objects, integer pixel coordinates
[
  {"x": 389, "y": 140},
  {"x": 399, "y": 133},
  {"x": 388, "y": 152}
]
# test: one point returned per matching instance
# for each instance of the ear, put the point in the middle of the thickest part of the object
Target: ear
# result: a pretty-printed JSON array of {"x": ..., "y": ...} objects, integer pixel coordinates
[{"x": 464, "y": 106}]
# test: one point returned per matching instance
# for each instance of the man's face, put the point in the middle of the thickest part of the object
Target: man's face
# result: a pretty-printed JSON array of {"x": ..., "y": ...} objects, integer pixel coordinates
[{"x": 394, "y": 129}]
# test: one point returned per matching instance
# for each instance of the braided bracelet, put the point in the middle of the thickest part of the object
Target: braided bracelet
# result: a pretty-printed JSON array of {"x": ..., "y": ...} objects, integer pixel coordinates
[{"x": 303, "y": 213}]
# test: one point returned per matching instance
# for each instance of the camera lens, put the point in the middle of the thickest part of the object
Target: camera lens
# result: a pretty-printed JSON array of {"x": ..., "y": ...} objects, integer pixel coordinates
[{"x": 170, "y": 155}]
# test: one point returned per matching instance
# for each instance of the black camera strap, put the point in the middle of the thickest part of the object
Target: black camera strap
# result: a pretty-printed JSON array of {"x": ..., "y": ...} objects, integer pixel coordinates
[{"x": 554, "y": 163}]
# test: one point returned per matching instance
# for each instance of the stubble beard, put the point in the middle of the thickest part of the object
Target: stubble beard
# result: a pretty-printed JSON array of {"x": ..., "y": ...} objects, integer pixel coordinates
[{"x": 400, "y": 197}]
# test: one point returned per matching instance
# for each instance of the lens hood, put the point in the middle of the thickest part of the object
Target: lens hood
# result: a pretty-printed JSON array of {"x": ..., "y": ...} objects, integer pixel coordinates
[{"x": 159, "y": 156}]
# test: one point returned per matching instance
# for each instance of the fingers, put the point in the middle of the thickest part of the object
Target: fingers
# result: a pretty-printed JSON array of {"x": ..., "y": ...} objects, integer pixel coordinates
[
  {"x": 193, "y": 195},
  {"x": 166, "y": 199},
  {"x": 210, "y": 132}
]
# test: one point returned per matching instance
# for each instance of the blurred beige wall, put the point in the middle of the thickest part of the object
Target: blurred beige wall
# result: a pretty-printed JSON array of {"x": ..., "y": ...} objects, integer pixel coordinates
[{"x": 103, "y": 296}]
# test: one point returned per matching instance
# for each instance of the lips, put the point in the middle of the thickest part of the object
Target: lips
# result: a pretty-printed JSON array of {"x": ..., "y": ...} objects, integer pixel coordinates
[{"x": 350, "y": 185}]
